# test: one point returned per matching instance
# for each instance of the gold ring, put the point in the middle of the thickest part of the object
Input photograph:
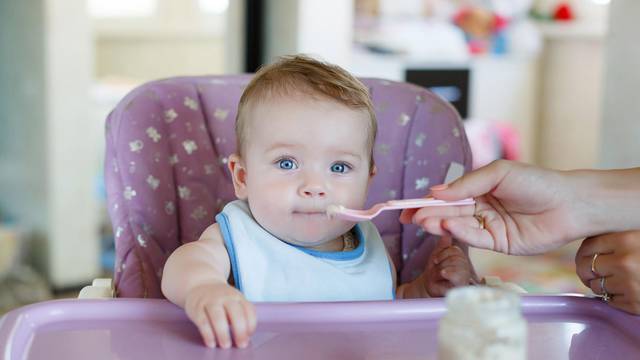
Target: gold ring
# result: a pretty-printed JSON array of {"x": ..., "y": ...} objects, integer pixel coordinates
[
  {"x": 480, "y": 220},
  {"x": 593, "y": 265}
]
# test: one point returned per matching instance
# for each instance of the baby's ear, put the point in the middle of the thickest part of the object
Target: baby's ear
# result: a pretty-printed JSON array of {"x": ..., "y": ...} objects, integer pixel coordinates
[
  {"x": 373, "y": 172},
  {"x": 238, "y": 175}
]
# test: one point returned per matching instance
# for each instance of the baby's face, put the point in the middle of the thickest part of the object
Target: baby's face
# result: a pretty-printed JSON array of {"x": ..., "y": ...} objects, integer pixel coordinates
[{"x": 302, "y": 155}]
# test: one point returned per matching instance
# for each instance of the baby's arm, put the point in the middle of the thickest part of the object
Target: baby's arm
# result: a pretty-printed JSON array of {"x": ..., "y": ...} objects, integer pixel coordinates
[{"x": 195, "y": 278}]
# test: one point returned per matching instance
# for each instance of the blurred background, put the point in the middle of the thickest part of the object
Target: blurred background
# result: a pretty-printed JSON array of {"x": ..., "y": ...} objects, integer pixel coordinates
[{"x": 550, "y": 82}]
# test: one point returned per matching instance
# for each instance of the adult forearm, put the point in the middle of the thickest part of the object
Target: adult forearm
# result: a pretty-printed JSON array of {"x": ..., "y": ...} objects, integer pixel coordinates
[{"x": 605, "y": 200}]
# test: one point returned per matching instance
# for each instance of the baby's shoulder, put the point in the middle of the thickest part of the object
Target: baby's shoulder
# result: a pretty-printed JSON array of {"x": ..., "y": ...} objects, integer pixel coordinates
[{"x": 211, "y": 235}]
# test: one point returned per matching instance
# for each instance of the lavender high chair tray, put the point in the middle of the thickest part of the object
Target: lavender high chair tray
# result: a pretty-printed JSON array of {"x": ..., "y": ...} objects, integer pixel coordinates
[{"x": 560, "y": 327}]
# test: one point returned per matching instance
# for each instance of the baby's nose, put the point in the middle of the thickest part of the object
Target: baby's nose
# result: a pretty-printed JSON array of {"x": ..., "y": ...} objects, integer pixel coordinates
[
  {"x": 312, "y": 187},
  {"x": 313, "y": 191}
]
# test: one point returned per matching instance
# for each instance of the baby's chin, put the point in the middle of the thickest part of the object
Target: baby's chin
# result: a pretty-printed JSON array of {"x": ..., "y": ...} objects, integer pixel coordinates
[{"x": 306, "y": 239}]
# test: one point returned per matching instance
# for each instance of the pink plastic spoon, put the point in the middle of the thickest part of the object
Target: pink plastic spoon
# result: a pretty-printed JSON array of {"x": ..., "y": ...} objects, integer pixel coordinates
[{"x": 339, "y": 211}]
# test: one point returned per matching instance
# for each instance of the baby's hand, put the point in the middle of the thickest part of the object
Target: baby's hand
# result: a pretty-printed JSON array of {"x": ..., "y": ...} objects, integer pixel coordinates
[
  {"x": 448, "y": 267},
  {"x": 218, "y": 311}
]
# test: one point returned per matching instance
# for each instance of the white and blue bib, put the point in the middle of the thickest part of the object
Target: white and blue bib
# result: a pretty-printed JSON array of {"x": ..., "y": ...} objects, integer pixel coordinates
[{"x": 266, "y": 268}]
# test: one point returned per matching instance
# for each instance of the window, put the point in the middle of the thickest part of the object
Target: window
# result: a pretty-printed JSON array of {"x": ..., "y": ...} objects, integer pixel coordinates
[
  {"x": 123, "y": 8},
  {"x": 213, "y": 6}
]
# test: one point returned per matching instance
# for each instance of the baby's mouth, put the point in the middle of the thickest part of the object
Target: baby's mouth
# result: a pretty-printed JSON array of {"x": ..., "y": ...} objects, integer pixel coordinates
[{"x": 309, "y": 212}]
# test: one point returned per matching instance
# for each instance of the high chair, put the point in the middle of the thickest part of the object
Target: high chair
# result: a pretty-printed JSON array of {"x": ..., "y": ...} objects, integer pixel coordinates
[{"x": 166, "y": 176}]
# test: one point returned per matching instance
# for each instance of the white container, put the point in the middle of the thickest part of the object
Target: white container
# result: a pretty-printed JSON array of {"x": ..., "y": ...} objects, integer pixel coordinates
[{"x": 482, "y": 323}]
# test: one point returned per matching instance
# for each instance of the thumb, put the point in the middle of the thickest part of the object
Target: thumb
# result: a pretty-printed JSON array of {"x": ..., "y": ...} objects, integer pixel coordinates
[{"x": 475, "y": 183}]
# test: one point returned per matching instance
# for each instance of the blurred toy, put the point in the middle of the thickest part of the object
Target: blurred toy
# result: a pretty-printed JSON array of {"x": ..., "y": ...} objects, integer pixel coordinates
[
  {"x": 564, "y": 12},
  {"x": 496, "y": 26},
  {"x": 555, "y": 10},
  {"x": 483, "y": 29},
  {"x": 492, "y": 140}
]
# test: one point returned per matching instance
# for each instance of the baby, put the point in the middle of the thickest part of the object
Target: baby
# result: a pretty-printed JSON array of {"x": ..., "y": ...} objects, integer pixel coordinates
[{"x": 305, "y": 134}]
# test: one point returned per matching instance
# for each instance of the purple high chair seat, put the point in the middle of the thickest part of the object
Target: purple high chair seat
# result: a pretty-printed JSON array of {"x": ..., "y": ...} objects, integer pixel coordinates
[{"x": 166, "y": 176}]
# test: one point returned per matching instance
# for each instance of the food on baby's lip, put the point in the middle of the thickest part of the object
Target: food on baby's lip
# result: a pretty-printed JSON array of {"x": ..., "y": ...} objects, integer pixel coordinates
[{"x": 333, "y": 209}]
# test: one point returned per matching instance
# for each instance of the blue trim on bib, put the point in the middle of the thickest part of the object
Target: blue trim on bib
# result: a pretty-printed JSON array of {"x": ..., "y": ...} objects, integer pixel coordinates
[
  {"x": 339, "y": 255},
  {"x": 393, "y": 289},
  {"x": 225, "y": 229}
]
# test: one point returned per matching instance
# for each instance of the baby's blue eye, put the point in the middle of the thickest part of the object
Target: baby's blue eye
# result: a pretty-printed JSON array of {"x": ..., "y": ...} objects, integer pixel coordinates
[
  {"x": 340, "y": 168},
  {"x": 286, "y": 164}
]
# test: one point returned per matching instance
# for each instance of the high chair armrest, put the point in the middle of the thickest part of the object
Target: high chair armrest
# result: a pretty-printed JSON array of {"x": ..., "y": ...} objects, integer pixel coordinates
[{"x": 99, "y": 289}]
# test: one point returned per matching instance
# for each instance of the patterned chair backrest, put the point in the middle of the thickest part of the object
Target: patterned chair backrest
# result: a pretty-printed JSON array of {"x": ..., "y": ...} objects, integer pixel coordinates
[{"x": 166, "y": 176}]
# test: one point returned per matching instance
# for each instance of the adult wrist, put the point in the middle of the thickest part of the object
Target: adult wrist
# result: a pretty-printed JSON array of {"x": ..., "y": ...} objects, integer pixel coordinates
[{"x": 605, "y": 200}]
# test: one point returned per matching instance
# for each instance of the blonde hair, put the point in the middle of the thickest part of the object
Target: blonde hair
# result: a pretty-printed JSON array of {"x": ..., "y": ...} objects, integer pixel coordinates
[{"x": 304, "y": 75}]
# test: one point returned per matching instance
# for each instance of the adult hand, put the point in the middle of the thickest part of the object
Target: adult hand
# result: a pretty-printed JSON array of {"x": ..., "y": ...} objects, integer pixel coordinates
[
  {"x": 618, "y": 262},
  {"x": 520, "y": 209},
  {"x": 524, "y": 210}
]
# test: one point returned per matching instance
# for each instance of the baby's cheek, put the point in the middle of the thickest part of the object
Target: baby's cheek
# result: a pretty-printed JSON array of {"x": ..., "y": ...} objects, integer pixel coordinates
[
  {"x": 354, "y": 198},
  {"x": 276, "y": 222}
]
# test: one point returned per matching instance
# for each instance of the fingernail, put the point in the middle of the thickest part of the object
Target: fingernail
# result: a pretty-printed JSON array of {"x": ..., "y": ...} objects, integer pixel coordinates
[
  {"x": 439, "y": 187},
  {"x": 211, "y": 344}
]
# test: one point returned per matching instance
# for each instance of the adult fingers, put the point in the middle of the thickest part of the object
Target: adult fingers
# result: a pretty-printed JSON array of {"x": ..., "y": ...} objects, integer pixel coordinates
[
  {"x": 602, "y": 244},
  {"x": 613, "y": 285},
  {"x": 470, "y": 233},
  {"x": 475, "y": 183},
  {"x": 442, "y": 212},
  {"x": 434, "y": 225},
  {"x": 604, "y": 265},
  {"x": 406, "y": 215},
  {"x": 626, "y": 303}
]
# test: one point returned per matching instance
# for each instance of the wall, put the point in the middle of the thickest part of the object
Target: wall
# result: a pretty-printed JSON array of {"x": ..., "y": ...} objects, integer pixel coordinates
[
  {"x": 73, "y": 242},
  {"x": 620, "y": 139},
  {"x": 319, "y": 28},
  {"x": 47, "y": 162},
  {"x": 571, "y": 97},
  {"x": 146, "y": 58},
  {"x": 178, "y": 39},
  {"x": 22, "y": 140},
  {"x": 504, "y": 89}
]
